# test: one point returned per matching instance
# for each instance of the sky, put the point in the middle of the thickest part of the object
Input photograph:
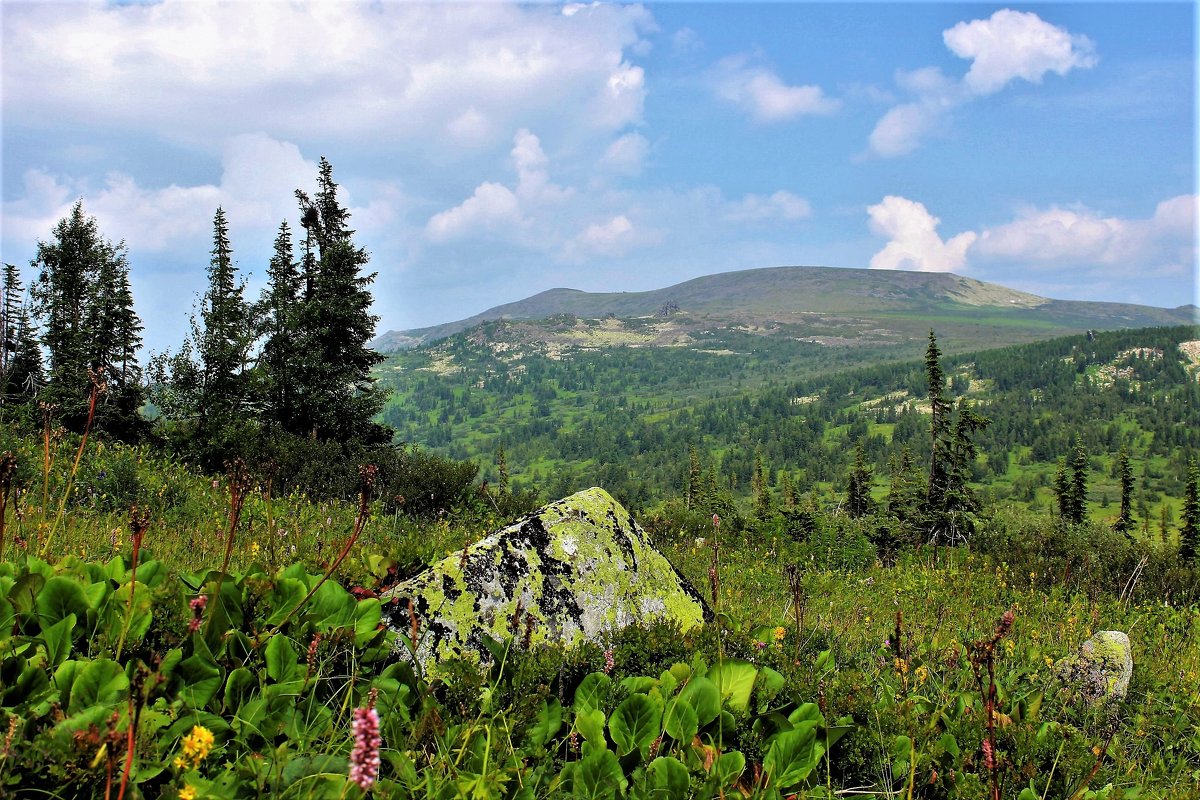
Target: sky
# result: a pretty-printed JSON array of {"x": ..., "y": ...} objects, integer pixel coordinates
[{"x": 491, "y": 151}]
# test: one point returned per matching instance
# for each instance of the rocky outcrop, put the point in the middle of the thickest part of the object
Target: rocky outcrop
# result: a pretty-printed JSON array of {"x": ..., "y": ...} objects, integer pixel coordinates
[
  {"x": 573, "y": 571},
  {"x": 1101, "y": 669}
]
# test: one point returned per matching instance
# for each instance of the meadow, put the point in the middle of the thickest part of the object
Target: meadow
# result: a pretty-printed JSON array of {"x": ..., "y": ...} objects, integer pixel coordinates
[{"x": 222, "y": 641}]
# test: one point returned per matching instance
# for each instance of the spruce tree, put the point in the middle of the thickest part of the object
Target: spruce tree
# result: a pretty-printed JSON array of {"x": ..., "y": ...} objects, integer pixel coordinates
[
  {"x": 82, "y": 297},
  {"x": 1125, "y": 522},
  {"x": 693, "y": 478},
  {"x": 1062, "y": 490},
  {"x": 338, "y": 397},
  {"x": 858, "y": 490},
  {"x": 1189, "y": 534},
  {"x": 224, "y": 336},
  {"x": 939, "y": 430},
  {"x": 905, "y": 492},
  {"x": 20, "y": 357},
  {"x": 278, "y": 310},
  {"x": 1077, "y": 484},
  {"x": 762, "y": 492},
  {"x": 959, "y": 501}
]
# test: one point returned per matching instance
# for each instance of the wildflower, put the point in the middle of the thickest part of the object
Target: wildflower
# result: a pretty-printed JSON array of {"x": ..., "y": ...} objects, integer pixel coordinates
[
  {"x": 254, "y": 548},
  {"x": 364, "y": 758},
  {"x": 779, "y": 633},
  {"x": 197, "y": 605},
  {"x": 187, "y": 793},
  {"x": 196, "y": 747},
  {"x": 609, "y": 663},
  {"x": 760, "y": 645},
  {"x": 922, "y": 674},
  {"x": 901, "y": 666},
  {"x": 989, "y": 757}
]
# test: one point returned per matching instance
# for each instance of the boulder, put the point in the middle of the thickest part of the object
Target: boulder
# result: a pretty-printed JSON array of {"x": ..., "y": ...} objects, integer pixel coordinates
[
  {"x": 1101, "y": 668},
  {"x": 574, "y": 571}
]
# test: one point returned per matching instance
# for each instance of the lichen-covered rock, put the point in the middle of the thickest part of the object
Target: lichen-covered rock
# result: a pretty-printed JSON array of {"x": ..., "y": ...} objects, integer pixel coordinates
[
  {"x": 1102, "y": 667},
  {"x": 573, "y": 571}
]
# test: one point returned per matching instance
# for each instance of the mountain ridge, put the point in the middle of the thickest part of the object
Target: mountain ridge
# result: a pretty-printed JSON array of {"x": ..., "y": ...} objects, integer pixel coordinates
[{"x": 792, "y": 295}]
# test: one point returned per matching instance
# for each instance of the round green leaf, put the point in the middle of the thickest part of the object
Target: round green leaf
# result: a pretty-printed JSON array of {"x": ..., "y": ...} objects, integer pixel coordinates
[
  {"x": 60, "y": 597},
  {"x": 100, "y": 683},
  {"x": 636, "y": 723}
]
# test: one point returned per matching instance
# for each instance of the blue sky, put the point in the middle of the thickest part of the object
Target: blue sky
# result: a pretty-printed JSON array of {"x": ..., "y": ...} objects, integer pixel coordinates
[{"x": 492, "y": 151}]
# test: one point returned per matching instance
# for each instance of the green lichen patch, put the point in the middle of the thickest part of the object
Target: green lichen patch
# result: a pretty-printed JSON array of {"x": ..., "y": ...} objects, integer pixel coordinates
[
  {"x": 1101, "y": 669},
  {"x": 575, "y": 570}
]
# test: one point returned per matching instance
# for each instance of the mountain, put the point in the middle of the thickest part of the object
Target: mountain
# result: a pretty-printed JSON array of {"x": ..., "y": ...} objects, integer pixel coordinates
[{"x": 827, "y": 305}]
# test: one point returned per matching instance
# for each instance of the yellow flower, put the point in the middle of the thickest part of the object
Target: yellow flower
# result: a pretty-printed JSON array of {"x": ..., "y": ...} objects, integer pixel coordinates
[
  {"x": 779, "y": 633},
  {"x": 196, "y": 746},
  {"x": 254, "y": 548},
  {"x": 187, "y": 793},
  {"x": 922, "y": 674}
]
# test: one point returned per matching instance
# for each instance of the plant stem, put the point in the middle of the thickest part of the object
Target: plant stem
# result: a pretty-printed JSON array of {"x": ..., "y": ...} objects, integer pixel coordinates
[{"x": 98, "y": 387}]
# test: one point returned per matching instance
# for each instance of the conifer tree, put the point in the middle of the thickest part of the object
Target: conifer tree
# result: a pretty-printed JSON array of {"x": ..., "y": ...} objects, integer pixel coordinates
[
  {"x": 278, "y": 310},
  {"x": 693, "y": 478},
  {"x": 1189, "y": 534},
  {"x": 337, "y": 395},
  {"x": 224, "y": 335},
  {"x": 762, "y": 492},
  {"x": 939, "y": 429},
  {"x": 905, "y": 492},
  {"x": 1062, "y": 490},
  {"x": 20, "y": 357},
  {"x": 1125, "y": 521},
  {"x": 858, "y": 491},
  {"x": 1077, "y": 485},
  {"x": 82, "y": 296}
]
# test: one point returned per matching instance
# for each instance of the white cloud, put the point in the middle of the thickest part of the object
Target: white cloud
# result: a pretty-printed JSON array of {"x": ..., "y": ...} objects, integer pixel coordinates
[
  {"x": 1016, "y": 44},
  {"x": 914, "y": 241},
  {"x": 626, "y": 155},
  {"x": 497, "y": 209},
  {"x": 609, "y": 238},
  {"x": 366, "y": 72},
  {"x": 781, "y": 205},
  {"x": 1081, "y": 237},
  {"x": 258, "y": 177},
  {"x": 764, "y": 96},
  {"x": 1006, "y": 46}
]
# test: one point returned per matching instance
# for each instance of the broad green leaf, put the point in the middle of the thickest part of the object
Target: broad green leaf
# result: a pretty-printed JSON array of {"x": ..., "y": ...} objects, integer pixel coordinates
[
  {"x": 704, "y": 698},
  {"x": 667, "y": 779},
  {"x": 25, "y": 591},
  {"x": 734, "y": 680},
  {"x": 806, "y": 712},
  {"x": 283, "y": 597},
  {"x": 592, "y": 692},
  {"x": 597, "y": 776},
  {"x": 636, "y": 723},
  {"x": 60, "y": 597},
  {"x": 57, "y": 639},
  {"x": 201, "y": 680},
  {"x": 770, "y": 683},
  {"x": 638, "y": 684},
  {"x": 792, "y": 756},
  {"x": 728, "y": 768},
  {"x": 332, "y": 607},
  {"x": 282, "y": 659},
  {"x": 239, "y": 687},
  {"x": 681, "y": 721},
  {"x": 547, "y": 724},
  {"x": 367, "y": 615},
  {"x": 100, "y": 683},
  {"x": 590, "y": 724}
]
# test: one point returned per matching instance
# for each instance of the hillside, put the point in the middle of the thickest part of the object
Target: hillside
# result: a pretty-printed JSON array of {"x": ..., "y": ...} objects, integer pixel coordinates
[
  {"x": 824, "y": 304},
  {"x": 625, "y": 417}
]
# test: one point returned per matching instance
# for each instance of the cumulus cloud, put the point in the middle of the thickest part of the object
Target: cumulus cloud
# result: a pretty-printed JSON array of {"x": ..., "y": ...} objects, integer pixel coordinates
[
  {"x": 439, "y": 75},
  {"x": 258, "y": 177},
  {"x": 1058, "y": 240},
  {"x": 914, "y": 241},
  {"x": 1082, "y": 237},
  {"x": 497, "y": 209},
  {"x": 1016, "y": 44},
  {"x": 1006, "y": 46},
  {"x": 764, "y": 96}
]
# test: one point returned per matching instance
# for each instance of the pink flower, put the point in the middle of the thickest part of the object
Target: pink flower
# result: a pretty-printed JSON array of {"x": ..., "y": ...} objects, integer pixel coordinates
[
  {"x": 364, "y": 758},
  {"x": 609, "y": 663}
]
